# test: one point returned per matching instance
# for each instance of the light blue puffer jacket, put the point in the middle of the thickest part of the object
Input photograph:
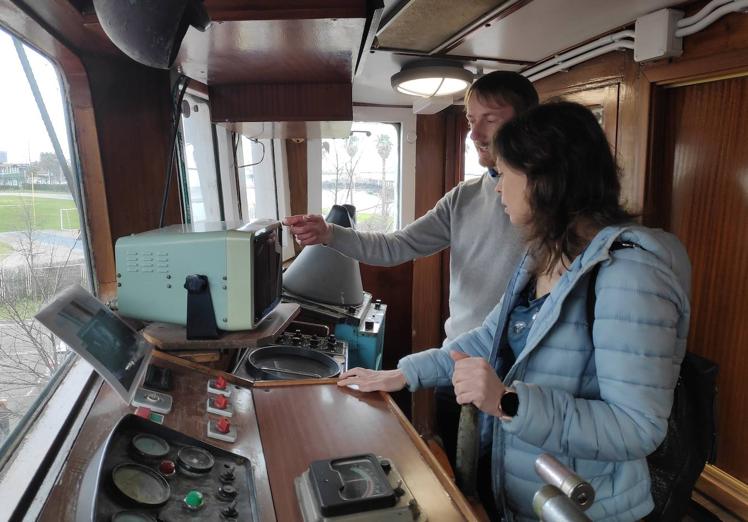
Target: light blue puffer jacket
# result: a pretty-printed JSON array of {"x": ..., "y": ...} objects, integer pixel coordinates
[{"x": 599, "y": 409}]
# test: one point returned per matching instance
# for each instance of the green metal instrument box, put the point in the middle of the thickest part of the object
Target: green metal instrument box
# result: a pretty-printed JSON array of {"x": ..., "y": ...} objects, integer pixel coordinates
[{"x": 242, "y": 262}]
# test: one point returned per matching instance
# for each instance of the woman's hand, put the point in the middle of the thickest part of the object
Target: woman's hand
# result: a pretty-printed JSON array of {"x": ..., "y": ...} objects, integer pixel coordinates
[
  {"x": 476, "y": 382},
  {"x": 373, "y": 380},
  {"x": 309, "y": 229}
]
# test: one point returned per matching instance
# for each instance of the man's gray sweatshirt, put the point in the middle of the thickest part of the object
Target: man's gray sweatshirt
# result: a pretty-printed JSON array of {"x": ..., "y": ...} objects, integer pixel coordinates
[{"x": 484, "y": 248}]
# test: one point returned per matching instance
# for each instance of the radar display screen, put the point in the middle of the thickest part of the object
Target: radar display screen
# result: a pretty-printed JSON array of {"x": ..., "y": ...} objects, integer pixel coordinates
[{"x": 117, "y": 352}]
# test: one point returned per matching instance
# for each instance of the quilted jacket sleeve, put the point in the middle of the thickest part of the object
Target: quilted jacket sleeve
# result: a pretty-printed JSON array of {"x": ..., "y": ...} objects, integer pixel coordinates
[
  {"x": 434, "y": 367},
  {"x": 639, "y": 336}
]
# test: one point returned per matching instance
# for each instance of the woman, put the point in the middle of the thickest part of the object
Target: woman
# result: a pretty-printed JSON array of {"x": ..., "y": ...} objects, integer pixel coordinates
[{"x": 597, "y": 396}]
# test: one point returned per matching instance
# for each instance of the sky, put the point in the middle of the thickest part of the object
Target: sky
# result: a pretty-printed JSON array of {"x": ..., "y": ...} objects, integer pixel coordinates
[{"x": 22, "y": 133}]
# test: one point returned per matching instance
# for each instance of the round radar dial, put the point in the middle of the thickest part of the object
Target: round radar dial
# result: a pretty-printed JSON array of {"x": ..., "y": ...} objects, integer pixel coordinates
[
  {"x": 141, "y": 484},
  {"x": 150, "y": 446},
  {"x": 132, "y": 516},
  {"x": 195, "y": 460}
]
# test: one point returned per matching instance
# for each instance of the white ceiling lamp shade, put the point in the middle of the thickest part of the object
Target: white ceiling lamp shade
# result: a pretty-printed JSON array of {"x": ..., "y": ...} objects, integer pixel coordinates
[{"x": 428, "y": 78}]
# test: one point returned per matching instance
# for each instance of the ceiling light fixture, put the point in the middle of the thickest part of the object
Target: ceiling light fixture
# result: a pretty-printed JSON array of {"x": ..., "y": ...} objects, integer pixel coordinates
[{"x": 428, "y": 78}]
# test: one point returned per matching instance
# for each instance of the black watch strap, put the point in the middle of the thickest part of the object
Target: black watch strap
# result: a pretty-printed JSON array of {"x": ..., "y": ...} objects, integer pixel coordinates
[{"x": 509, "y": 404}]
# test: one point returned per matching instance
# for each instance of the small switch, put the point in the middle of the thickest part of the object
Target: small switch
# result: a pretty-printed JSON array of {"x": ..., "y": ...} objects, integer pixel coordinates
[
  {"x": 220, "y": 402},
  {"x": 227, "y": 492},
  {"x": 228, "y": 473},
  {"x": 220, "y": 383},
  {"x": 377, "y": 304},
  {"x": 369, "y": 325},
  {"x": 230, "y": 511},
  {"x": 223, "y": 425}
]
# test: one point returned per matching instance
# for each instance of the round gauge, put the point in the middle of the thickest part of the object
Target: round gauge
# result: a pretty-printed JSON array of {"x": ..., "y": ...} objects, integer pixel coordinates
[
  {"x": 141, "y": 484},
  {"x": 195, "y": 460},
  {"x": 132, "y": 516},
  {"x": 150, "y": 446}
]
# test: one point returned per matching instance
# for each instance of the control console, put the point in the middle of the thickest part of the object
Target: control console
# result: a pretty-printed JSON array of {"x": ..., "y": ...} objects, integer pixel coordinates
[{"x": 147, "y": 472}]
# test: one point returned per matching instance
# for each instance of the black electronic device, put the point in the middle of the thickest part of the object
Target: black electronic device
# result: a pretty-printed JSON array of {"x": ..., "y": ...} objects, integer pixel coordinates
[
  {"x": 148, "y": 472},
  {"x": 356, "y": 488},
  {"x": 158, "y": 378}
]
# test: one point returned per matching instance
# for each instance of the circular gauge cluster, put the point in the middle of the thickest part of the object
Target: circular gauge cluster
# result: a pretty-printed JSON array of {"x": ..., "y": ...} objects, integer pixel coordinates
[
  {"x": 195, "y": 460},
  {"x": 141, "y": 484},
  {"x": 149, "y": 446}
]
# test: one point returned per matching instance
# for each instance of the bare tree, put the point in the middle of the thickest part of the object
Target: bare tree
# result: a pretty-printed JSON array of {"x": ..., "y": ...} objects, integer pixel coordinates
[
  {"x": 384, "y": 147},
  {"x": 29, "y": 353}
]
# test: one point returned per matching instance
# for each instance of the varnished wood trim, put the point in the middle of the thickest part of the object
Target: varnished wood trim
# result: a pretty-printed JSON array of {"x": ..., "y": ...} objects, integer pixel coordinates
[
  {"x": 703, "y": 68},
  {"x": 234, "y": 10},
  {"x": 444, "y": 479},
  {"x": 725, "y": 489},
  {"x": 281, "y": 102},
  {"x": 297, "y": 382}
]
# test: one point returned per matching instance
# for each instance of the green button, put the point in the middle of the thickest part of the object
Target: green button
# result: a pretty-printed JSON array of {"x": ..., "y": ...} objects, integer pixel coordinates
[{"x": 194, "y": 499}]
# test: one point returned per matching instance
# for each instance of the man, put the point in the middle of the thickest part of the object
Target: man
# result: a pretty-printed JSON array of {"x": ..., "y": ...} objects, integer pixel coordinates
[{"x": 469, "y": 219}]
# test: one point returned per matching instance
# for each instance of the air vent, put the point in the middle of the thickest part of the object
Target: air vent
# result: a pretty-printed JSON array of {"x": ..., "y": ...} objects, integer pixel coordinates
[{"x": 423, "y": 25}]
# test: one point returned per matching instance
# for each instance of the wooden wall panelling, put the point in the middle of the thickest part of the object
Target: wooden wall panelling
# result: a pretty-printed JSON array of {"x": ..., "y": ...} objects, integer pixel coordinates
[
  {"x": 296, "y": 156},
  {"x": 699, "y": 156},
  {"x": 132, "y": 108},
  {"x": 427, "y": 272},
  {"x": 282, "y": 102},
  {"x": 454, "y": 172},
  {"x": 707, "y": 133},
  {"x": 393, "y": 285},
  {"x": 66, "y": 24}
]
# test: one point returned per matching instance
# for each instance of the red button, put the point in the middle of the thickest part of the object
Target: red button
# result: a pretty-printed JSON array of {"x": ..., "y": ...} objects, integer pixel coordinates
[
  {"x": 144, "y": 412},
  {"x": 223, "y": 425},
  {"x": 220, "y": 383},
  {"x": 220, "y": 402},
  {"x": 167, "y": 467}
]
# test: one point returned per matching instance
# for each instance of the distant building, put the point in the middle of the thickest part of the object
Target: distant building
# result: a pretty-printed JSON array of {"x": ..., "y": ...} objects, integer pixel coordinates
[{"x": 3, "y": 156}]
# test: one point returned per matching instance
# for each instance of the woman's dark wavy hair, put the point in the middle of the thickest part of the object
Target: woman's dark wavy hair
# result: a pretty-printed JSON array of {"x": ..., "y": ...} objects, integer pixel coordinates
[{"x": 572, "y": 177}]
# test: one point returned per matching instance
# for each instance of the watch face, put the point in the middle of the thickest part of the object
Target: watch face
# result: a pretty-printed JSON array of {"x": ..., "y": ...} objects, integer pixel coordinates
[{"x": 510, "y": 404}]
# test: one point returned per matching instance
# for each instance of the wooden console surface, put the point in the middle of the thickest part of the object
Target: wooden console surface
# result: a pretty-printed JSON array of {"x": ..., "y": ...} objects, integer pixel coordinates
[
  {"x": 299, "y": 424},
  {"x": 282, "y": 426}
]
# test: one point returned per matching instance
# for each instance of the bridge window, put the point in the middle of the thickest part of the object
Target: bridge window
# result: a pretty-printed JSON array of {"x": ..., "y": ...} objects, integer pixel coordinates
[
  {"x": 42, "y": 244},
  {"x": 364, "y": 170}
]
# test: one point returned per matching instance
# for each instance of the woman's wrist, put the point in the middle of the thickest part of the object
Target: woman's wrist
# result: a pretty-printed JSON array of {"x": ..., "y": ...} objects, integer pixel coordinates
[{"x": 508, "y": 404}]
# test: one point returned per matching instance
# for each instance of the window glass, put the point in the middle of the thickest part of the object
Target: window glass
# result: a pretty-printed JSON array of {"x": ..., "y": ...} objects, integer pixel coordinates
[
  {"x": 364, "y": 171},
  {"x": 473, "y": 169},
  {"x": 202, "y": 198},
  {"x": 257, "y": 175},
  {"x": 42, "y": 247}
]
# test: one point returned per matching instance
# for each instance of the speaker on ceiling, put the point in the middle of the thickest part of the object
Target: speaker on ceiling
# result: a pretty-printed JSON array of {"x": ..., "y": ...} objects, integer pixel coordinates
[{"x": 150, "y": 31}]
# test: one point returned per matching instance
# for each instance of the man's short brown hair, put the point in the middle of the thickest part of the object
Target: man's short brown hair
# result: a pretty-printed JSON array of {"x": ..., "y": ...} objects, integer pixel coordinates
[{"x": 504, "y": 88}]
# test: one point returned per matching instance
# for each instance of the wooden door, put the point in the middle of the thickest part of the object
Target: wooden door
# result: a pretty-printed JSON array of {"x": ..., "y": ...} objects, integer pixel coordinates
[{"x": 701, "y": 162}]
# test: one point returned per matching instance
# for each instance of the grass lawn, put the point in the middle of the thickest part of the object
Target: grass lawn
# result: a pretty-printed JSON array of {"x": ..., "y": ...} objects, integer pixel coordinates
[
  {"x": 27, "y": 307},
  {"x": 45, "y": 213},
  {"x": 5, "y": 249}
]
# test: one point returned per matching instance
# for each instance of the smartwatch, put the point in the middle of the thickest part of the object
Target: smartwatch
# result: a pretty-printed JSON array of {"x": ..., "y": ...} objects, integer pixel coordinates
[{"x": 509, "y": 404}]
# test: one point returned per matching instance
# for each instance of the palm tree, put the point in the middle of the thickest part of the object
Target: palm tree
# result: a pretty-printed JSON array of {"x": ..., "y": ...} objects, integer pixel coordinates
[{"x": 384, "y": 147}]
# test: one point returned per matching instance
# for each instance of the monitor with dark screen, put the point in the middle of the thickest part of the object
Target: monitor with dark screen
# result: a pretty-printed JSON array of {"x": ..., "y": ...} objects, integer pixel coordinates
[{"x": 117, "y": 352}]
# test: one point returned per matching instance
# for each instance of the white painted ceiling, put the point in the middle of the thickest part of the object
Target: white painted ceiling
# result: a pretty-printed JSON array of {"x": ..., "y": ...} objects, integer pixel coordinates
[{"x": 536, "y": 31}]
